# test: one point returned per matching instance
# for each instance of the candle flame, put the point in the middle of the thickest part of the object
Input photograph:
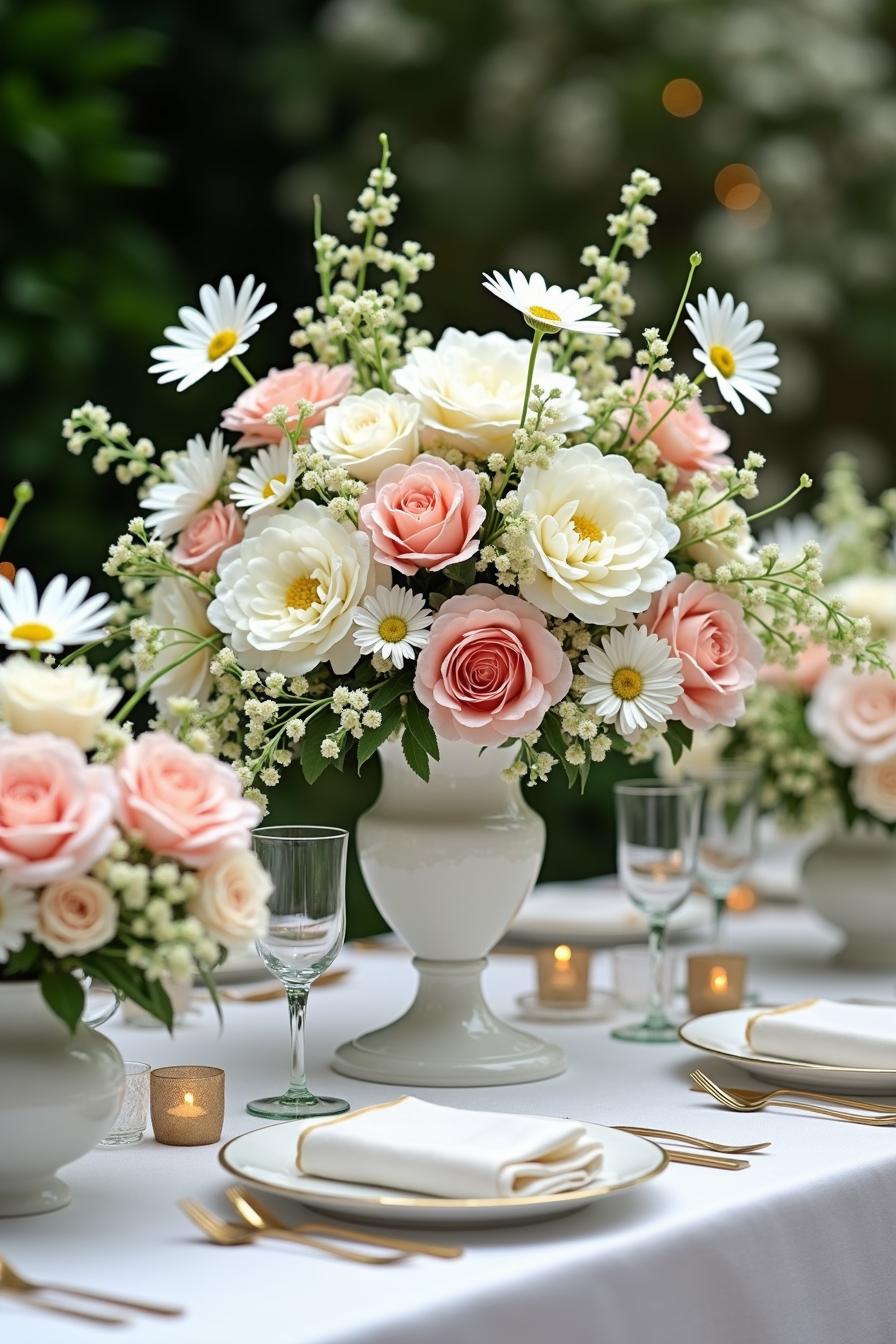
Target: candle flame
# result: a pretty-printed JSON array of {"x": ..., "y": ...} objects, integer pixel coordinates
[
  {"x": 563, "y": 954},
  {"x": 718, "y": 980},
  {"x": 188, "y": 1098}
]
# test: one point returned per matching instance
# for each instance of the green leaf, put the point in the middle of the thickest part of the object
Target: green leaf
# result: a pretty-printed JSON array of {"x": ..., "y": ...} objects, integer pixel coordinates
[
  {"x": 679, "y": 738},
  {"x": 209, "y": 981},
  {"x": 554, "y": 743},
  {"x": 415, "y": 756},
  {"x": 375, "y": 737},
  {"x": 132, "y": 983},
  {"x": 464, "y": 573},
  {"x": 390, "y": 690},
  {"x": 22, "y": 961},
  {"x": 322, "y": 725},
  {"x": 64, "y": 995},
  {"x": 420, "y": 728}
]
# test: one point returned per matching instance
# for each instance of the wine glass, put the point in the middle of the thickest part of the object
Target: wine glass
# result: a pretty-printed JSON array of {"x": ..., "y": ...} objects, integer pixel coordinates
[
  {"x": 727, "y": 829},
  {"x": 657, "y": 829},
  {"x": 307, "y": 928}
]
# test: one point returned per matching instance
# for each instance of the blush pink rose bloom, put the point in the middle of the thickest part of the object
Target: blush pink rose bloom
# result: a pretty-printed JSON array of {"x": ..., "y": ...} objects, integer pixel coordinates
[
  {"x": 56, "y": 811},
  {"x": 491, "y": 669},
  {"x": 811, "y": 664},
  {"x": 854, "y": 717},
  {"x": 317, "y": 383},
  {"x": 75, "y": 915},
  {"x": 207, "y": 536},
  {"x": 182, "y": 805},
  {"x": 686, "y": 439},
  {"x": 720, "y": 657},
  {"x": 423, "y": 516}
]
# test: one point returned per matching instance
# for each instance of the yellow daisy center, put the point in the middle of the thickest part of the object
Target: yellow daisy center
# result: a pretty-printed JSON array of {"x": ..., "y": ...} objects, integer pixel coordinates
[
  {"x": 723, "y": 359},
  {"x": 269, "y": 490},
  {"x": 627, "y": 683},
  {"x": 302, "y": 592},
  {"x": 221, "y": 342},
  {"x": 587, "y": 528},
  {"x": 543, "y": 314},
  {"x": 32, "y": 631},
  {"x": 392, "y": 629}
]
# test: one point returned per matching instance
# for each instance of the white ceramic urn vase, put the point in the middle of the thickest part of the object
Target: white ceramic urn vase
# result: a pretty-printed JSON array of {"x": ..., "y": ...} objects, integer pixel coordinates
[
  {"x": 448, "y": 864},
  {"x": 850, "y": 879},
  {"x": 59, "y": 1095}
]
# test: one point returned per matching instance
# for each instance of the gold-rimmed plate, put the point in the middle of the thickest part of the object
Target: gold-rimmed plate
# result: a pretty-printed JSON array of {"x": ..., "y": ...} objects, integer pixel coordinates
[
  {"x": 265, "y": 1159},
  {"x": 725, "y": 1036}
]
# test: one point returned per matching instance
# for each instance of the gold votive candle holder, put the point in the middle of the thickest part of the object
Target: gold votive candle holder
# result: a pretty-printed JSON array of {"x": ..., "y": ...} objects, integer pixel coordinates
[
  {"x": 715, "y": 981},
  {"x": 563, "y": 974},
  {"x": 186, "y": 1102}
]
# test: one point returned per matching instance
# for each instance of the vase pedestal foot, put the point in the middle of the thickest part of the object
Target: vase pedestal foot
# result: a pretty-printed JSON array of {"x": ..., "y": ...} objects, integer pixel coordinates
[
  {"x": 43, "y": 1195},
  {"x": 449, "y": 1037}
]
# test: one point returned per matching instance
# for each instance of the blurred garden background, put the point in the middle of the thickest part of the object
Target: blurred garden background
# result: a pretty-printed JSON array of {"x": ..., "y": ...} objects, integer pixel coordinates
[{"x": 145, "y": 149}]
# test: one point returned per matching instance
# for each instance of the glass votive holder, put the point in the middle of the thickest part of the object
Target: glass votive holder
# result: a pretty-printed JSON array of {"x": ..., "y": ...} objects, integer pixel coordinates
[
  {"x": 631, "y": 975},
  {"x": 187, "y": 1104},
  {"x": 130, "y": 1123},
  {"x": 715, "y": 981},
  {"x": 563, "y": 974}
]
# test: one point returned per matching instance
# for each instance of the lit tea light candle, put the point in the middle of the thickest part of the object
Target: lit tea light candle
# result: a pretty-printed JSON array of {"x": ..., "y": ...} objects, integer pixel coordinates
[
  {"x": 715, "y": 982},
  {"x": 563, "y": 974},
  {"x": 187, "y": 1104},
  {"x": 188, "y": 1107}
]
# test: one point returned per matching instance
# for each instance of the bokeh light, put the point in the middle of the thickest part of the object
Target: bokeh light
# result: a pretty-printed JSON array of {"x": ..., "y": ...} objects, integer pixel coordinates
[
  {"x": 737, "y": 186},
  {"x": 682, "y": 97}
]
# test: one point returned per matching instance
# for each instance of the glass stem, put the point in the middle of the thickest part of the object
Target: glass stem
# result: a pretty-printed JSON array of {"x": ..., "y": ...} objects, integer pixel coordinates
[
  {"x": 656, "y": 1003},
  {"x": 297, "y": 1000},
  {"x": 720, "y": 903}
]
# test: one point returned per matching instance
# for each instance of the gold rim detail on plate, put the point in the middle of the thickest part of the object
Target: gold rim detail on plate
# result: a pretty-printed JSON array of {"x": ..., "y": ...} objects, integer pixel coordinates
[{"x": 772, "y": 1059}]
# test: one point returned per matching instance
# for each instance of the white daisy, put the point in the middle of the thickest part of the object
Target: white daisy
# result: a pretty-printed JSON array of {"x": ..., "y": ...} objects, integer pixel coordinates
[
  {"x": 18, "y": 917},
  {"x": 635, "y": 681},
  {"x": 60, "y": 616},
  {"x": 196, "y": 477},
  {"x": 730, "y": 350},
  {"x": 547, "y": 307},
  {"x": 393, "y": 622},
  {"x": 267, "y": 481},
  {"x": 208, "y": 340}
]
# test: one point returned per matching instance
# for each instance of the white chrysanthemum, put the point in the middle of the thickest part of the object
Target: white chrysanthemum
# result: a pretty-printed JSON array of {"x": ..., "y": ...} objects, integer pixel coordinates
[
  {"x": 180, "y": 606},
  {"x": 196, "y": 476},
  {"x": 18, "y": 917},
  {"x": 634, "y": 681},
  {"x": 600, "y": 536},
  {"x": 286, "y": 594},
  {"x": 69, "y": 701},
  {"x": 471, "y": 390},
  {"x": 393, "y": 622},
  {"x": 730, "y": 351},
  {"x": 60, "y": 616},
  {"x": 546, "y": 307},
  {"x": 267, "y": 481},
  {"x": 367, "y": 433},
  {"x": 208, "y": 339}
]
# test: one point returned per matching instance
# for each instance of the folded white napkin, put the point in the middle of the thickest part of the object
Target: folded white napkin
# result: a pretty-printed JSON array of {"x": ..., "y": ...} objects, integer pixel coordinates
[
  {"x": 845, "y": 1035},
  {"x": 410, "y": 1144}
]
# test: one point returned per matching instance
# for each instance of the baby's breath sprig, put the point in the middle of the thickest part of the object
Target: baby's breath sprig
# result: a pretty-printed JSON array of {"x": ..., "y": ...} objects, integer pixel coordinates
[{"x": 93, "y": 424}]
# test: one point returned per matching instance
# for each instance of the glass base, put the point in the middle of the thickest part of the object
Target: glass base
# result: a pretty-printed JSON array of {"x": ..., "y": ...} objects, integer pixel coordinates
[
  {"x": 649, "y": 1033},
  {"x": 121, "y": 1139},
  {"x": 296, "y": 1106}
]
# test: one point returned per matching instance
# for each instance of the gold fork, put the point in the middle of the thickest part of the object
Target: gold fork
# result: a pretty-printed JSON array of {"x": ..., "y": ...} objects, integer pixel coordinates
[
  {"x": 693, "y": 1141},
  {"x": 38, "y": 1304},
  {"x": 235, "y": 1234},
  {"x": 260, "y": 1217},
  {"x": 277, "y": 990},
  {"x": 11, "y": 1279},
  {"x": 751, "y": 1094},
  {"x": 736, "y": 1103}
]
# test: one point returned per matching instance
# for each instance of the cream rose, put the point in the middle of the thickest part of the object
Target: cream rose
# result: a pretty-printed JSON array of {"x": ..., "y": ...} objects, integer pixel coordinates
[
  {"x": 368, "y": 433},
  {"x": 471, "y": 390},
  {"x": 873, "y": 788},
  {"x": 231, "y": 902},
  {"x": 179, "y": 606},
  {"x": 69, "y": 701},
  {"x": 871, "y": 595},
  {"x": 75, "y": 915}
]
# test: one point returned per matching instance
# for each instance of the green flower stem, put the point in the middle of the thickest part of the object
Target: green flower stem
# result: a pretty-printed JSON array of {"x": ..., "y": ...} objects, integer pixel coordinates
[
  {"x": 241, "y": 368},
  {"x": 211, "y": 642},
  {"x": 94, "y": 644},
  {"x": 368, "y": 236},
  {"x": 695, "y": 261},
  {"x": 24, "y": 494},
  {"x": 530, "y": 374},
  {"x": 773, "y": 508}
]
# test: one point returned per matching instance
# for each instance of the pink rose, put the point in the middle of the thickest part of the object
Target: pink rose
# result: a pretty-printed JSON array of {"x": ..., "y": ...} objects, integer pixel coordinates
[
  {"x": 720, "y": 658},
  {"x": 491, "y": 669},
  {"x": 316, "y": 383},
  {"x": 854, "y": 716},
  {"x": 207, "y": 536},
  {"x": 686, "y": 439},
  {"x": 75, "y": 916},
  {"x": 811, "y": 664},
  {"x": 55, "y": 810},
  {"x": 182, "y": 805},
  {"x": 423, "y": 516}
]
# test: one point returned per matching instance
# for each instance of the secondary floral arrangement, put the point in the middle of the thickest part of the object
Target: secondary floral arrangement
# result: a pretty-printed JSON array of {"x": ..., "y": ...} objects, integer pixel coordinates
[
  {"x": 502, "y": 541},
  {"x": 824, "y": 737}
]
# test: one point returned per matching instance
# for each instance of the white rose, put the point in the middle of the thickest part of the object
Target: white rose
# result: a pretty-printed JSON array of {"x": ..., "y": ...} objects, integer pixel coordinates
[
  {"x": 471, "y": 390},
  {"x": 600, "y": 536},
  {"x": 231, "y": 903},
  {"x": 68, "y": 701},
  {"x": 871, "y": 595},
  {"x": 286, "y": 593},
  {"x": 873, "y": 787},
  {"x": 368, "y": 433},
  {"x": 75, "y": 915},
  {"x": 177, "y": 603}
]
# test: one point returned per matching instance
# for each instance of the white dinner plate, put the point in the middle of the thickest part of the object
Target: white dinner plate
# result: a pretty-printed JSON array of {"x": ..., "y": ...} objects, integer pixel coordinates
[
  {"x": 594, "y": 913},
  {"x": 242, "y": 968},
  {"x": 724, "y": 1035},
  {"x": 266, "y": 1158}
]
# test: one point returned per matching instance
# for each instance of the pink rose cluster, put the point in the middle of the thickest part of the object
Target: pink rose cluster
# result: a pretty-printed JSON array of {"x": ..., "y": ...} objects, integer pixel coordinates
[
  {"x": 686, "y": 438},
  {"x": 316, "y": 383},
  {"x": 61, "y": 815}
]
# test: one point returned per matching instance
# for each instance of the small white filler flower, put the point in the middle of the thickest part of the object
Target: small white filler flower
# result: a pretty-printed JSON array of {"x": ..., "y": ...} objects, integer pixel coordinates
[
  {"x": 546, "y": 307},
  {"x": 393, "y": 622},
  {"x": 18, "y": 917},
  {"x": 60, "y": 616},
  {"x": 196, "y": 476},
  {"x": 730, "y": 351},
  {"x": 267, "y": 481},
  {"x": 211, "y": 338},
  {"x": 634, "y": 680}
]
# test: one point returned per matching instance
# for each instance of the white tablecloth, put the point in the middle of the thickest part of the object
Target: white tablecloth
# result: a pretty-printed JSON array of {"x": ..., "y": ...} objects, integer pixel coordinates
[{"x": 798, "y": 1248}]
